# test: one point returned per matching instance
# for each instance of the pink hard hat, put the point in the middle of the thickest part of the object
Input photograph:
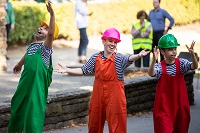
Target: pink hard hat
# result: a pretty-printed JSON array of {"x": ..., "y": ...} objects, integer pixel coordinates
[{"x": 111, "y": 33}]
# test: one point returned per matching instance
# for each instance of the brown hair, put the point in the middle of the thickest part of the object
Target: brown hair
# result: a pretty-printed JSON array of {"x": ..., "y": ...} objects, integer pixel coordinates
[{"x": 140, "y": 13}]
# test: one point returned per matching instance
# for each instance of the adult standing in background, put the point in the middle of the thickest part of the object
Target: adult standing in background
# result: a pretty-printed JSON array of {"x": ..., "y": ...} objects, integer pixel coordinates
[
  {"x": 142, "y": 38},
  {"x": 157, "y": 18},
  {"x": 81, "y": 12},
  {"x": 10, "y": 18}
]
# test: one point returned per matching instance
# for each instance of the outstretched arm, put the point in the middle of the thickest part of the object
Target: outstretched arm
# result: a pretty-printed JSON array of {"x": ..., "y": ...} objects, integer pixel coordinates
[
  {"x": 134, "y": 57},
  {"x": 155, "y": 57},
  {"x": 70, "y": 71},
  {"x": 194, "y": 59},
  {"x": 50, "y": 36}
]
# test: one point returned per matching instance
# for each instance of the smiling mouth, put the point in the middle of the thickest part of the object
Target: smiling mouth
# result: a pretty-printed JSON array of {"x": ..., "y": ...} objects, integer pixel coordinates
[
  {"x": 112, "y": 47},
  {"x": 39, "y": 32}
]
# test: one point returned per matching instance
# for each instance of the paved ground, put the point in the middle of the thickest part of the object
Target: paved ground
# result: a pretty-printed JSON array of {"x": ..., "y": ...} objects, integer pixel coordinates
[
  {"x": 144, "y": 123},
  {"x": 65, "y": 52}
]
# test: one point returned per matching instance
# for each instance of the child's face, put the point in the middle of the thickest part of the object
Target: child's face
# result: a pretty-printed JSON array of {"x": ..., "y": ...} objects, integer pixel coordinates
[
  {"x": 42, "y": 32},
  {"x": 109, "y": 45},
  {"x": 169, "y": 53}
]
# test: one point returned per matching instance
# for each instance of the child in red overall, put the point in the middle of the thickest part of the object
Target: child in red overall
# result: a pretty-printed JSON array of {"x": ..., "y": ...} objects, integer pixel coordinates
[
  {"x": 171, "y": 107},
  {"x": 108, "y": 101}
]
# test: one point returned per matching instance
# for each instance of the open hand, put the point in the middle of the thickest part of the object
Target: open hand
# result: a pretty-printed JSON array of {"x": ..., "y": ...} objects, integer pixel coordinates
[
  {"x": 61, "y": 69},
  {"x": 144, "y": 52},
  {"x": 191, "y": 48},
  {"x": 49, "y": 8},
  {"x": 155, "y": 53}
]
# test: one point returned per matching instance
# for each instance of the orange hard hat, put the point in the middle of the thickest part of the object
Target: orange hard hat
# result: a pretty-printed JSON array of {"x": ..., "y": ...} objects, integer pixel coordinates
[{"x": 56, "y": 28}]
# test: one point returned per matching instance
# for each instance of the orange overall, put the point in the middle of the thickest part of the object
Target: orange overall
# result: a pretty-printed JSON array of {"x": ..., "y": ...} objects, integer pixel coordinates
[
  {"x": 171, "y": 107},
  {"x": 108, "y": 100}
]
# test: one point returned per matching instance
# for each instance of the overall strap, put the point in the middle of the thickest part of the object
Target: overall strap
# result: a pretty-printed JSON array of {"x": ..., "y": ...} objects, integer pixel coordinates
[
  {"x": 177, "y": 62},
  {"x": 163, "y": 65}
]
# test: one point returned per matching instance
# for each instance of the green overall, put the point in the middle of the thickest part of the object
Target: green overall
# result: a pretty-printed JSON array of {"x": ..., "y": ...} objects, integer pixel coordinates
[{"x": 29, "y": 101}]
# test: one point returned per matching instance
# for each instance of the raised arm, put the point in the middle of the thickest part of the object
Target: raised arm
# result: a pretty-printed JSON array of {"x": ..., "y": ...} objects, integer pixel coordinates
[
  {"x": 70, "y": 71},
  {"x": 50, "y": 36},
  {"x": 155, "y": 57},
  {"x": 194, "y": 59}
]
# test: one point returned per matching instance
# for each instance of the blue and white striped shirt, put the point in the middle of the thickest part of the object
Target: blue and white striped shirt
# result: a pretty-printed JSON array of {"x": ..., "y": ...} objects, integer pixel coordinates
[
  {"x": 121, "y": 63},
  {"x": 45, "y": 52},
  {"x": 185, "y": 66}
]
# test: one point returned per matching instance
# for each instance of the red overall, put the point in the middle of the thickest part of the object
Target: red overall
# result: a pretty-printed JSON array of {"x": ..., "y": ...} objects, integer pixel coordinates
[
  {"x": 108, "y": 100},
  {"x": 171, "y": 107}
]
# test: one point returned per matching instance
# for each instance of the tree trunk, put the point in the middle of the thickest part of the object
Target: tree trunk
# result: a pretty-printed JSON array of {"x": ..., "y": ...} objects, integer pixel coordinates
[{"x": 3, "y": 38}]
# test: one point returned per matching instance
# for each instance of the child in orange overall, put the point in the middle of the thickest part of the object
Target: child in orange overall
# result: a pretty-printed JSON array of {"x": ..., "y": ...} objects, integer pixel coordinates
[
  {"x": 108, "y": 101},
  {"x": 171, "y": 107}
]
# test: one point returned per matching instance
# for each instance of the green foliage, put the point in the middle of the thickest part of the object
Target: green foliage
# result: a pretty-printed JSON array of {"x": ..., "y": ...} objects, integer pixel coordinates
[
  {"x": 27, "y": 20},
  {"x": 120, "y": 15}
]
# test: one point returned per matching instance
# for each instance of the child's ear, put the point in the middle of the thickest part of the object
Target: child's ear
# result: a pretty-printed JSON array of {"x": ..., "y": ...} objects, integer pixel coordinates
[
  {"x": 162, "y": 51},
  {"x": 103, "y": 41}
]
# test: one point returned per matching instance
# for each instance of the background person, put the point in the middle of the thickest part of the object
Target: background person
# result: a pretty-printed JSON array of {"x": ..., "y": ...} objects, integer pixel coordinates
[
  {"x": 81, "y": 12},
  {"x": 157, "y": 18},
  {"x": 10, "y": 19},
  {"x": 142, "y": 38}
]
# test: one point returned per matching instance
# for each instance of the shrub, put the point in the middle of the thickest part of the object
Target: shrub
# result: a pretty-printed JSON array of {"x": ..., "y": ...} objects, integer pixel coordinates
[{"x": 114, "y": 14}]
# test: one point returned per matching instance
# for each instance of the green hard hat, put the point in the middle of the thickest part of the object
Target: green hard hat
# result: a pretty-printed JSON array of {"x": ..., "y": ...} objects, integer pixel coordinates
[{"x": 168, "y": 41}]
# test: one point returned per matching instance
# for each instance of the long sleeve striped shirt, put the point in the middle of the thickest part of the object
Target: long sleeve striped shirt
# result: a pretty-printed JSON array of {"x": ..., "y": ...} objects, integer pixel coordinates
[
  {"x": 185, "y": 66},
  {"x": 121, "y": 63},
  {"x": 45, "y": 52}
]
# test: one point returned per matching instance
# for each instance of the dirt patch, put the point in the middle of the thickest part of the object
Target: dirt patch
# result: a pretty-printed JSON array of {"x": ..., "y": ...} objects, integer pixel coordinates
[{"x": 135, "y": 73}]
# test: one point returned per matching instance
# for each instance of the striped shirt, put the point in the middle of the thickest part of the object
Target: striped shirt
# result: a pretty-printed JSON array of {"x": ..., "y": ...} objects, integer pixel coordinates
[
  {"x": 185, "y": 66},
  {"x": 45, "y": 52},
  {"x": 121, "y": 63}
]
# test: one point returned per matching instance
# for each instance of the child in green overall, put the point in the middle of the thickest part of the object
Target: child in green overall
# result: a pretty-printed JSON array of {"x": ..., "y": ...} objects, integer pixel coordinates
[
  {"x": 171, "y": 111},
  {"x": 28, "y": 104}
]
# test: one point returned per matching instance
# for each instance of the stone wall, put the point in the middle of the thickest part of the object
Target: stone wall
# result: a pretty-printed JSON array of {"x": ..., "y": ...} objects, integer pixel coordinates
[
  {"x": 3, "y": 43},
  {"x": 71, "y": 108},
  {"x": 140, "y": 92}
]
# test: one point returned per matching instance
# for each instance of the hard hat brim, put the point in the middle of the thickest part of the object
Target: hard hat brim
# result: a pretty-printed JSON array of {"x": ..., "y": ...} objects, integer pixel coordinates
[
  {"x": 56, "y": 28},
  {"x": 111, "y": 39}
]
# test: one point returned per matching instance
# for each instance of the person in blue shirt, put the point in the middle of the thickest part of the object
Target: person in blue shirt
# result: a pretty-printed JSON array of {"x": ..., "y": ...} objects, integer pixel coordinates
[{"x": 157, "y": 18}]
